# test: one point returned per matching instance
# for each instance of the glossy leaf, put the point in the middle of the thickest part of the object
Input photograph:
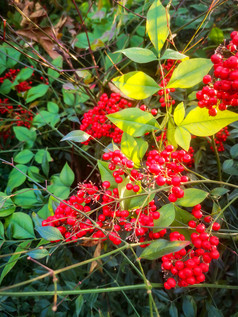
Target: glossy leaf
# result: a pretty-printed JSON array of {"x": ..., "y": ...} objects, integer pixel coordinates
[
  {"x": 106, "y": 174},
  {"x": 25, "y": 135},
  {"x": 23, "y": 157},
  {"x": 179, "y": 113},
  {"x": 22, "y": 226},
  {"x": 161, "y": 247},
  {"x": 171, "y": 54},
  {"x": 16, "y": 178},
  {"x": 189, "y": 73},
  {"x": 76, "y": 136},
  {"x": 36, "y": 92},
  {"x": 167, "y": 216},
  {"x": 134, "y": 149},
  {"x": 38, "y": 254},
  {"x": 136, "y": 85},
  {"x": 192, "y": 197},
  {"x": 139, "y": 55},
  {"x": 67, "y": 175},
  {"x": 157, "y": 25},
  {"x": 25, "y": 198},
  {"x": 134, "y": 121},
  {"x": 13, "y": 259},
  {"x": 49, "y": 233},
  {"x": 40, "y": 155},
  {"x": 183, "y": 138},
  {"x": 198, "y": 122}
]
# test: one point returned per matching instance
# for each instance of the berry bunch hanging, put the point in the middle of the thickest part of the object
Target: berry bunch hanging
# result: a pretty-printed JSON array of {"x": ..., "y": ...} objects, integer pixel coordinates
[{"x": 221, "y": 90}]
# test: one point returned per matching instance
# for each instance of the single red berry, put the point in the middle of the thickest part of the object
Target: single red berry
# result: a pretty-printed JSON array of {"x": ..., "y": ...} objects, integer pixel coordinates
[{"x": 216, "y": 226}]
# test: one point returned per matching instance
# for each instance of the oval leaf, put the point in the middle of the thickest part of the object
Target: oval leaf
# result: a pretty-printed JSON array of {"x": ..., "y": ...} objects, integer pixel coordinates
[
  {"x": 179, "y": 113},
  {"x": 134, "y": 121},
  {"x": 161, "y": 247},
  {"x": 136, "y": 85},
  {"x": 49, "y": 233},
  {"x": 182, "y": 137},
  {"x": 198, "y": 122},
  {"x": 157, "y": 25},
  {"x": 192, "y": 197},
  {"x": 139, "y": 55},
  {"x": 67, "y": 175},
  {"x": 171, "y": 54},
  {"x": 22, "y": 226},
  {"x": 24, "y": 157},
  {"x": 167, "y": 216},
  {"x": 189, "y": 73},
  {"x": 76, "y": 136}
]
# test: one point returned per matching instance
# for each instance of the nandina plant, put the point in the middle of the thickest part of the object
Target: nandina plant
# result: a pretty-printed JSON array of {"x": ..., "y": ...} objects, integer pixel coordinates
[{"x": 147, "y": 194}]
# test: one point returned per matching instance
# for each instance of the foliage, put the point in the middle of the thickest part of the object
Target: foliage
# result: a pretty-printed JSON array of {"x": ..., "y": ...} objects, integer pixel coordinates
[{"x": 118, "y": 158}]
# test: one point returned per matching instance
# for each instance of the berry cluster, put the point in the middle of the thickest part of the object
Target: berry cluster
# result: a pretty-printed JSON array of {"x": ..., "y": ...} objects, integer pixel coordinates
[
  {"x": 11, "y": 75},
  {"x": 220, "y": 138},
  {"x": 95, "y": 122},
  {"x": 221, "y": 90},
  {"x": 187, "y": 266},
  {"x": 162, "y": 168},
  {"x": 109, "y": 220}
]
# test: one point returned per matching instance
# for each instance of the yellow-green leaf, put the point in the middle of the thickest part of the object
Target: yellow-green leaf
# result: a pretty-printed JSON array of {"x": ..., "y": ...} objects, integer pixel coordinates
[
  {"x": 134, "y": 121},
  {"x": 189, "y": 73},
  {"x": 198, "y": 122},
  {"x": 157, "y": 25},
  {"x": 183, "y": 138},
  {"x": 179, "y": 113},
  {"x": 139, "y": 54},
  {"x": 136, "y": 85}
]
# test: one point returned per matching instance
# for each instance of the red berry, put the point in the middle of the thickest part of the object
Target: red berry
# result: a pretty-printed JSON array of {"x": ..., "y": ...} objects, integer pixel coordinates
[{"x": 216, "y": 226}]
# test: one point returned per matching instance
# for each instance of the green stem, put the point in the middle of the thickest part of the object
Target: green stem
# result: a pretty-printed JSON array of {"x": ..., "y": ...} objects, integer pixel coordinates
[
  {"x": 217, "y": 158},
  {"x": 108, "y": 290}
]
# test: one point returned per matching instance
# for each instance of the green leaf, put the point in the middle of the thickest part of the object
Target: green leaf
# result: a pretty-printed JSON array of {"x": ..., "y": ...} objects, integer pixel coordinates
[
  {"x": 192, "y": 197},
  {"x": 134, "y": 121},
  {"x": 38, "y": 254},
  {"x": 134, "y": 149},
  {"x": 46, "y": 117},
  {"x": 24, "y": 157},
  {"x": 161, "y": 247},
  {"x": 183, "y": 138},
  {"x": 216, "y": 35},
  {"x": 173, "y": 311},
  {"x": 3, "y": 60},
  {"x": 76, "y": 136},
  {"x": 157, "y": 25},
  {"x": 1, "y": 231},
  {"x": 58, "y": 188},
  {"x": 189, "y": 73},
  {"x": 182, "y": 217},
  {"x": 53, "y": 74},
  {"x": 52, "y": 107},
  {"x": 16, "y": 178},
  {"x": 22, "y": 226},
  {"x": 40, "y": 155},
  {"x": 138, "y": 54},
  {"x": 36, "y": 92},
  {"x": 198, "y": 122},
  {"x": 45, "y": 165},
  {"x": 234, "y": 151},
  {"x": 230, "y": 167},
  {"x": 189, "y": 306},
  {"x": 23, "y": 75},
  {"x": 213, "y": 311},
  {"x": 167, "y": 216},
  {"x": 137, "y": 201},
  {"x": 13, "y": 259},
  {"x": 49, "y": 233},
  {"x": 6, "y": 205},
  {"x": 13, "y": 56},
  {"x": 82, "y": 41},
  {"x": 25, "y": 135},
  {"x": 171, "y": 133},
  {"x": 5, "y": 87},
  {"x": 34, "y": 173},
  {"x": 44, "y": 212},
  {"x": 67, "y": 175},
  {"x": 179, "y": 113},
  {"x": 218, "y": 191},
  {"x": 106, "y": 174},
  {"x": 25, "y": 198},
  {"x": 171, "y": 54},
  {"x": 136, "y": 85}
]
